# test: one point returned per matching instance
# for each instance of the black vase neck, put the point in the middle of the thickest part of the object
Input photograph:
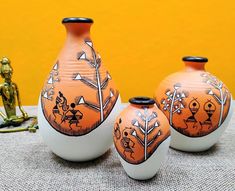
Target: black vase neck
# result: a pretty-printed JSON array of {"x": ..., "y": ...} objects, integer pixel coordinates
[
  {"x": 142, "y": 101},
  {"x": 77, "y": 20}
]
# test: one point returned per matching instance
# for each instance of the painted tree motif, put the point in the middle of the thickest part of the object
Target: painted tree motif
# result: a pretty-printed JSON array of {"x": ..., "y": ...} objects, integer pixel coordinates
[
  {"x": 221, "y": 99},
  {"x": 174, "y": 102},
  {"x": 48, "y": 92},
  {"x": 94, "y": 62},
  {"x": 145, "y": 129}
]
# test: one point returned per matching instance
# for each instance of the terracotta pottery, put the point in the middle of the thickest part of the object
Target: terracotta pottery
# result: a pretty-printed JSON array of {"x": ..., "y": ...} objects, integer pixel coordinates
[
  {"x": 79, "y": 102},
  {"x": 197, "y": 104},
  {"x": 142, "y": 137}
]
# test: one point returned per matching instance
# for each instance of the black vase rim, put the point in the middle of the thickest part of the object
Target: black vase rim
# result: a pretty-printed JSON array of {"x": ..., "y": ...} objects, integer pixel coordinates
[
  {"x": 77, "y": 20},
  {"x": 195, "y": 59},
  {"x": 141, "y": 100}
]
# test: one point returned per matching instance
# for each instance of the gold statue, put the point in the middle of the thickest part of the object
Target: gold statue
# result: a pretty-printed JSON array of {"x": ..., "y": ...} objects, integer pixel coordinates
[{"x": 10, "y": 94}]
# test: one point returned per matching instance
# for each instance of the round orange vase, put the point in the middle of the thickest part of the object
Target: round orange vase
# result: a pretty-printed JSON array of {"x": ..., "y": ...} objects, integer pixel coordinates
[
  {"x": 197, "y": 104},
  {"x": 79, "y": 102},
  {"x": 142, "y": 137}
]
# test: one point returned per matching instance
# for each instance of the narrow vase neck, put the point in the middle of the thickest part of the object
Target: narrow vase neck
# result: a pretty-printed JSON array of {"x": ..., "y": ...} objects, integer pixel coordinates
[
  {"x": 194, "y": 66},
  {"x": 77, "y": 31},
  {"x": 194, "y": 63},
  {"x": 142, "y": 106}
]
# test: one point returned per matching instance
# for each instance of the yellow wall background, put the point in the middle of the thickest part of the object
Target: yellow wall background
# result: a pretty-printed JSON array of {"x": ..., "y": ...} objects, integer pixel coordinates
[{"x": 140, "y": 41}]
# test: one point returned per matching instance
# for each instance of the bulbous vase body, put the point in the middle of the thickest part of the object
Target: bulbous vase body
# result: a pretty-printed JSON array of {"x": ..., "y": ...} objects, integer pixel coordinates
[
  {"x": 79, "y": 102},
  {"x": 141, "y": 137},
  {"x": 197, "y": 104}
]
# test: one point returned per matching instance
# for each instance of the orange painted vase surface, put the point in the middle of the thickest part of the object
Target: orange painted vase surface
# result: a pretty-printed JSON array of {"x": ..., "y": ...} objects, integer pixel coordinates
[
  {"x": 195, "y": 102},
  {"x": 79, "y": 93},
  {"x": 139, "y": 130}
]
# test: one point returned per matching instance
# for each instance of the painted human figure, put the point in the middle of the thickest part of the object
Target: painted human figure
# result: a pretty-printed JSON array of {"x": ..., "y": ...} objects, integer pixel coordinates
[
  {"x": 193, "y": 107},
  {"x": 10, "y": 94},
  {"x": 60, "y": 108},
  {"x": 209, "y": 108},
  {"x": 127, "y": 143},
  {"x": 117, "y": 131},
  {"x": 73, "y": 115}
]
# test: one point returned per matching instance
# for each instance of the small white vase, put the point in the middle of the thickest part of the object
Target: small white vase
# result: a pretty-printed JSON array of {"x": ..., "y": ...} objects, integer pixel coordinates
[{"x": 141, "y": 137}]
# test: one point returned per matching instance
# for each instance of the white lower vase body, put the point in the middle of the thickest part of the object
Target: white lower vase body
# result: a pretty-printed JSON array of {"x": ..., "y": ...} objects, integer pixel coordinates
[
  {"x": 149, "y": 168},
  {"x": 79, "y": 148}
]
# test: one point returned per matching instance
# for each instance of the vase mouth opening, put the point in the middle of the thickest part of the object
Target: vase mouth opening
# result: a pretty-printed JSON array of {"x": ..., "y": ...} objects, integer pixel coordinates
[
  {"x": 195, "y": 59},
  {"x": 77, "y": 20},
  {"x": 141, "y": 100}
]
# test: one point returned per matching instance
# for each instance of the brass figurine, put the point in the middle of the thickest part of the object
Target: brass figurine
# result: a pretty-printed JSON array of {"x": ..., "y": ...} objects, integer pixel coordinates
[{"x": 10, "y": 94}]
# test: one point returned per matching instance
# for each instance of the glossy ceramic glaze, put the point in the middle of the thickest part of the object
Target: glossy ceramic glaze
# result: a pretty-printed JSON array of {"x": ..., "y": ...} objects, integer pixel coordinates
[
  {"x": 141, "y": 136},
  {"x": 79, "y": 100},
  {"x": 197, "y": 104}
]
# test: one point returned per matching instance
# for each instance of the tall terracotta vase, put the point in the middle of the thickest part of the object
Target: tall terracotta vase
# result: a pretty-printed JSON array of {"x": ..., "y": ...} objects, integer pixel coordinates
[
  {"x": 197, "y": 104},
  {"x": 79, "y": 102}
]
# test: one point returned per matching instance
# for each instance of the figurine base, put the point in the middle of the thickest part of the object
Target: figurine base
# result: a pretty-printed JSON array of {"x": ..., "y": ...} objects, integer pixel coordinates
[{"x": 13, "y": 126}]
